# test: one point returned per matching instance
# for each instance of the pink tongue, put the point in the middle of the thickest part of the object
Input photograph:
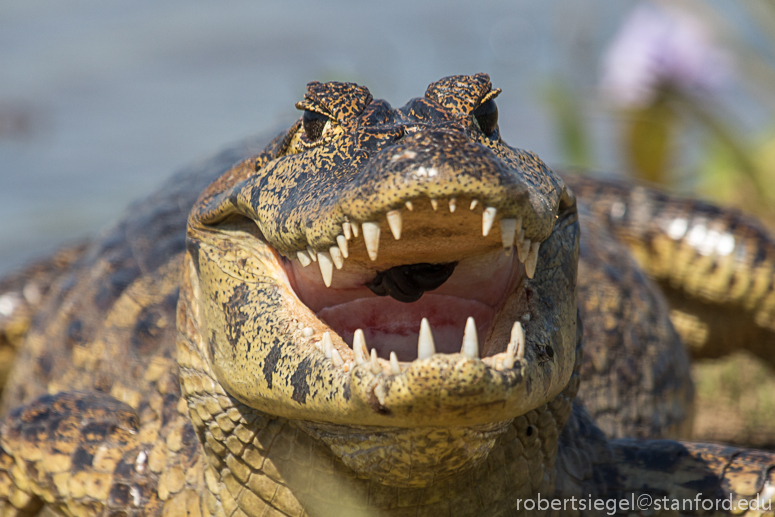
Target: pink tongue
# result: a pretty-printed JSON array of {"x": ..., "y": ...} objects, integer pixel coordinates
[{"x": 393, "y": 326}]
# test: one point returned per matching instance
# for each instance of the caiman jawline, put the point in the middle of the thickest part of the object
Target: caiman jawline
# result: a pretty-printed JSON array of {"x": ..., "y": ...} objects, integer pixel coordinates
[{"x": 454, "y": 318}]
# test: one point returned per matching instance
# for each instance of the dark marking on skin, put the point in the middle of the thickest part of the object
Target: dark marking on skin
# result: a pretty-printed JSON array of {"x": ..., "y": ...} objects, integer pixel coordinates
[
  {"x": 119, "y": 495},
  {"x": 103, "y": 383},
  {"x": 75, "y": 334},
  {"x": 235, "y": 317},
  {"x": 211, "y": 345},
  {"x": 81, "y": 404},
  {"x": 97, "y": 431},
  {"x": 255, "y": 194},
  {"x": 81, "y": 459},
  {"x": 169, "y": 410},
  {"x": 190, "y": 443},
  {"x": 170, "y": 302},
  {"x": 378, "y": 113},
  {"x": 35, "y": 413},
  {"x": 346, "y": 391},
  {"x": 115, "y": 285},
  {"x": 270, "y": 363},
  {"x": 148, "y": 330},
  {"x": 419, "y": 110},
  {"x": 53, "y": 423},
  {"x": 375, "y": 139},
  {"x": 123, "y": 469},
  {"x": 299, "y": 381},
  {"x": 45, "y": 363}
]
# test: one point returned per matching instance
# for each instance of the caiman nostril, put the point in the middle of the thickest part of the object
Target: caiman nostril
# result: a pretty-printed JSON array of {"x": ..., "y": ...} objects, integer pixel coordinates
[{"x": 408, "y": 283}]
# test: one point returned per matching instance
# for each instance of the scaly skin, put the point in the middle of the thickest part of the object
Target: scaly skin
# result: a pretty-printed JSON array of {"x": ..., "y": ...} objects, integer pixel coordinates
[
  {"x": 252, "y": 413},
  {"x": 716, "y": 266},
  {"x": 21, "y": 295}
]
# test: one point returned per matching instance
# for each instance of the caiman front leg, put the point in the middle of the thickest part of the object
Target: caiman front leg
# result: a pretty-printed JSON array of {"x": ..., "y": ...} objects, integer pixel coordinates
[
  {"x": 677, "y": 478},
  {"x": 88, "y": 454},
  {"x": 716, "y": 265}
]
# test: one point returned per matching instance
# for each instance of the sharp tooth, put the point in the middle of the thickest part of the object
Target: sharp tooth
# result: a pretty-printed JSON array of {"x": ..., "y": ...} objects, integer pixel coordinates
[
  {"x": 359, "y": 347},
  {"x": 336, "y": 358},
  {"x": 470, "y": 340},
  {"x": 375, "y": 367},
  {"x": 474, "y": 202},
  {"x": 523, "y": 248},
  {"x": 312, "y": 254},
  {"x": 488, "y": 217},
  {"x": 508, "y": 230},
  {"x": 516, "y": 349},
  {"x": 425, "y": 346},
  {"x": 326, "y": 267},
  {"x": 518, "y": 337},
  {"x": 348, "y": 230},
  {"x": 434, "y": 203},
  {"x": 303, "y": 257},
  {"x": 371, "y": 236},
  {"x": 395, "y": 368},
  {"x": 328, "y": 345},
  {"x": 336, "y": 256},
  {"x": 355, "y": 228},
  {"x": 307, "y": 331},
  {"x": 532, "y": 260},
  {"x": 452, "y": 204},
  {"x": 394, "y": 221},
  {"x": 342, "y": 241},
  {"x": 508, "y": 361},
  {"x": 409, "y": 205}
]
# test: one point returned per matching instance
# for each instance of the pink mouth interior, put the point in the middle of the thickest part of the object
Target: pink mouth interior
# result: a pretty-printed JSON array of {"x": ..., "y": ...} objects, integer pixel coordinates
[
  {"x": 479, "y": 287},
  {"x": 393, "y": 326}
]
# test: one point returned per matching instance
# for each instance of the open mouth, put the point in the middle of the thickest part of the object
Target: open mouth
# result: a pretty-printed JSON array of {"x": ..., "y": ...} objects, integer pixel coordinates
[{"x": 434, "y": 284}]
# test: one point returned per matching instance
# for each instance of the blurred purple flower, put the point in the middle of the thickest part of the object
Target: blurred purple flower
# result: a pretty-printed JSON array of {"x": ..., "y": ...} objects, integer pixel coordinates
[{"x": 658, "y": 47}]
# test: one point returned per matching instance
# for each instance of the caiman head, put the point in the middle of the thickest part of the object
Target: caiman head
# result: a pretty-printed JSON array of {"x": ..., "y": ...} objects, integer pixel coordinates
[{"x": 381, "y": 272}]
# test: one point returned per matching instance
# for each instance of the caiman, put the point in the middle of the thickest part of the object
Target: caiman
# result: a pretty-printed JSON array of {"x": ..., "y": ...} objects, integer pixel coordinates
[{"x": 376, "y": 315}]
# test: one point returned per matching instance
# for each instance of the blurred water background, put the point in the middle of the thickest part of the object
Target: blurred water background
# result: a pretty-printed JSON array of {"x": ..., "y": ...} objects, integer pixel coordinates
[{"x": 101, "y": 101}]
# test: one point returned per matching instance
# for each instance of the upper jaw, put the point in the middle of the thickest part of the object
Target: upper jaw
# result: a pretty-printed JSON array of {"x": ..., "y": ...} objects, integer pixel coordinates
[{"x": 319, "y": 208}]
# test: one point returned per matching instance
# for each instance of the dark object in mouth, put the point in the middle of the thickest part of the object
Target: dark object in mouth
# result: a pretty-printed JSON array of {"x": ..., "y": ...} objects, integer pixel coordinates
[{"x": 408, "y": 283}]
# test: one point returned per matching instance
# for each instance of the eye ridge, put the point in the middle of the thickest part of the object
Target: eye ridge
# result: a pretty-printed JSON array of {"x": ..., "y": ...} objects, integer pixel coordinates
[
  {"x": 486, "y": 116},
  {"x": 313, "y": 123}
]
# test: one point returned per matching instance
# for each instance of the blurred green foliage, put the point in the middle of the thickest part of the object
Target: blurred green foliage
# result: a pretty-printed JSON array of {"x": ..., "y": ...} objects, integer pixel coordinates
[
  {"x": 736, "y": 397},
  {"x": 670, "y": 100}
]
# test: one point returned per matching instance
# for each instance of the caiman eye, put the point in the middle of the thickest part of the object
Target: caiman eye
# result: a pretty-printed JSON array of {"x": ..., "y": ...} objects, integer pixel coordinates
[
  {"x": 487, "y": 117},
  {"x": 314, "y": 123}
]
